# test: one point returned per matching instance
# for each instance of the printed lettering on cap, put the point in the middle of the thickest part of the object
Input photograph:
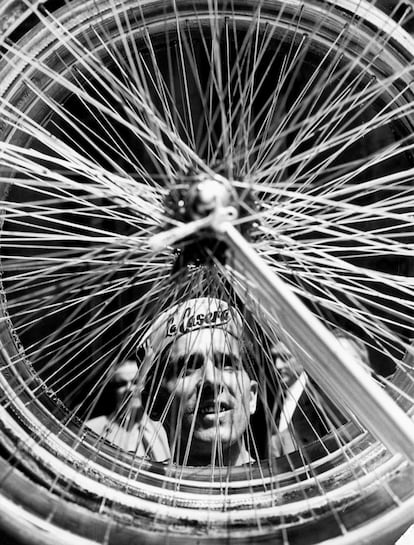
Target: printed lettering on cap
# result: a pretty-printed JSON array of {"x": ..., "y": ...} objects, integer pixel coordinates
[{"x": 190, "y": 320}]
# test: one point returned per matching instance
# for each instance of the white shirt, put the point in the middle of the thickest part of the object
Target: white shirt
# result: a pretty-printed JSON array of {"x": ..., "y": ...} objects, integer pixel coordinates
[{"x": 145, "y": 438}]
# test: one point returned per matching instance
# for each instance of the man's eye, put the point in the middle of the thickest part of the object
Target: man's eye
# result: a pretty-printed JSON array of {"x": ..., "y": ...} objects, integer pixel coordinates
[
  {"x": 229, "y": 363},
  {"x": 185, "y": 366},
  {"x": 192, "y": 363},
  {"x": 120, "y": 384}
]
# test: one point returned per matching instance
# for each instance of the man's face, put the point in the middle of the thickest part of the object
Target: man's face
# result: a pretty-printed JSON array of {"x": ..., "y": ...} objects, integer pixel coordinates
[
  {"x": 212, "y": 392},
  {"x": 288, "y": 366},
  {"x": 123, "y": 383}
]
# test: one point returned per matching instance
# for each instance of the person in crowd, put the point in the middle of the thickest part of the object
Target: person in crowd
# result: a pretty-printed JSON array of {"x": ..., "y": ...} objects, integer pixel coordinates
[
  {"x": 302, "y": 412},
  {"x": 199, "y": 382},
  {"x": 127, "y": 424}
]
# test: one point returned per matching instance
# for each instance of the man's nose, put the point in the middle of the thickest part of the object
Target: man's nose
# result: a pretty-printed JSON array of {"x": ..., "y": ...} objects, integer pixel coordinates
[
  {"x": 280, "y": 362},
  {"x": 210, "y": 371},
  {"x": 127, "y": 388}
]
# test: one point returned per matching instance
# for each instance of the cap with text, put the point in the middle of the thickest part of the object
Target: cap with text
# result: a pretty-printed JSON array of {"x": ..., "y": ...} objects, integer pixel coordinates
[{"x": 186, "y": 317}]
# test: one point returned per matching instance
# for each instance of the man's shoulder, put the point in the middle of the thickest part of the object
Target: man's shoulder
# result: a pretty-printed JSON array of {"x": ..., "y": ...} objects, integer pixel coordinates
[{"x": 98, "y": 424}]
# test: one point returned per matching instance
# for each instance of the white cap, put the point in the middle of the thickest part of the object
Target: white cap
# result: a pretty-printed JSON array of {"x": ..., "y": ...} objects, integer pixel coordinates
[{"x": 185, "y": 317}]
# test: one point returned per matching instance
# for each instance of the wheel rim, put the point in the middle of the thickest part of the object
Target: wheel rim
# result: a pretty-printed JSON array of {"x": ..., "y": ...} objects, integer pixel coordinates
[{"x": 38, "y": 419}]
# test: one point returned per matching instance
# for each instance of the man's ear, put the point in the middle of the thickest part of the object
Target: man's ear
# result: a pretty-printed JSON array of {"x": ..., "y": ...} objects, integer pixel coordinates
[{"x": 253, "y": 396}]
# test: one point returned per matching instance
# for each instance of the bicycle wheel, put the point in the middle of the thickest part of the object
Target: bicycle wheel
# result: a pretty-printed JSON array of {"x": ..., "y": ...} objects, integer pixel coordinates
[{"x": 113, "y": 116}]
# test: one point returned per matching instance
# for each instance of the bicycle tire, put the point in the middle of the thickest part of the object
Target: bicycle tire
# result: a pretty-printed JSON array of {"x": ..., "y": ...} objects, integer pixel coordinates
[{"x": 51, "y": 470}]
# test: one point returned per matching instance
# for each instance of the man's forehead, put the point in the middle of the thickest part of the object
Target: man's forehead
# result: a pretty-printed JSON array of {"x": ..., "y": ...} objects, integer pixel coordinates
[
  {"x": 279, "y": 347},
  {"x": 205, "y": 340},
  {"x": 128, "y": 369}
]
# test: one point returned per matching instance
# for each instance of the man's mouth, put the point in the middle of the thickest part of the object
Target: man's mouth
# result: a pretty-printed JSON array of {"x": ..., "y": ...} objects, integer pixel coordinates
[{"x": 212, "y": 408}]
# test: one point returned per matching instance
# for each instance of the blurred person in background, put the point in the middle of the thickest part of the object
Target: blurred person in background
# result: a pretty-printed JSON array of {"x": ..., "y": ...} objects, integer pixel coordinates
[
  {"x": 126, "y": 423},
  {"x": 302, "y": 412}
]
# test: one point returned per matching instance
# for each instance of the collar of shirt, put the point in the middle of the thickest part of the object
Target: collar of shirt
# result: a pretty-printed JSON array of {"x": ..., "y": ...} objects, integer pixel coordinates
[{"x": 291, "y": 400}]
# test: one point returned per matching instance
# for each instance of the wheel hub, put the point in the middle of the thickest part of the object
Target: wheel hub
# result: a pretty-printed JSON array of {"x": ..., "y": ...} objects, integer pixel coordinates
[
  {"x": 203, "y": 197},
  {"x": 207, "y": 195}
]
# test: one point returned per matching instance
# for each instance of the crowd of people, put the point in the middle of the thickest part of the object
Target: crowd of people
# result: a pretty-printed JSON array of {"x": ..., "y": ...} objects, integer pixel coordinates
[{"x": 190, "y": 396}]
